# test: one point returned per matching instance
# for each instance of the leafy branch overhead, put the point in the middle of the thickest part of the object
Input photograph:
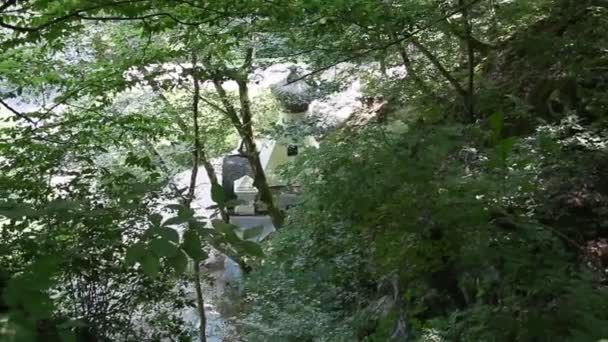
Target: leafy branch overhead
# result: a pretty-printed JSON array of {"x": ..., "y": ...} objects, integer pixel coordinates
[{"x": 410, "y": 170}]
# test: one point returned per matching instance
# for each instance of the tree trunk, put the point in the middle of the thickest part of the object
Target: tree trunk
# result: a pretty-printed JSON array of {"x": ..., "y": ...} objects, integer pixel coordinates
[
  {"x": 442, "y": 70},
  {"x": 203, "y": 158},
  {"x": 407, "y": 63},
  {"x": 213, "y": 181},
  {"x": 445, "y": 73},
  {"x": 468, "y": 34},
  {"x": 260, "y": 181},
  {"x": 195, "y": 159},
  {"x": 200, "y": 303},
  {"x": 243, "y": 125},
  {"x": 462, "y": 35}
]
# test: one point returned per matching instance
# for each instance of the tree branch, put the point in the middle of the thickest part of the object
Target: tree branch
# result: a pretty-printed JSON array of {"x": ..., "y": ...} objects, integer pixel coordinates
[
  {"x": 248, "y": 59},
  {"x": 7, "y": 4},
  {"x": 213, "y": 105},
  {"x": 387, "y": 45},
  {"x": 191, "y": 190},
  {"x": 442, "y": 70},
  {"x": 20, "y": 115},
  {"x": 260, "y": 181},
  {"x": 409, "y": 68},
  {"x": 230, "y": 111},
  {"x": 468, "y": 35},
  {"x": 478, "y": 45},
  {"x": 143, "y": 17},
  {"x": 71, "y": 15}
]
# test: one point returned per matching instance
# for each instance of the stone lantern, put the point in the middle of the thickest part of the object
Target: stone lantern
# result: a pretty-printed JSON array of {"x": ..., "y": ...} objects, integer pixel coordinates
[
  {"x": 247, "y": 193},
  {"x": 294, "y": 94}
]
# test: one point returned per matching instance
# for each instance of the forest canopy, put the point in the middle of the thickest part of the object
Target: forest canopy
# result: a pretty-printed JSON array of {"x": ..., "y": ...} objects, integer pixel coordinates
[{"x": 303, "y": 170}]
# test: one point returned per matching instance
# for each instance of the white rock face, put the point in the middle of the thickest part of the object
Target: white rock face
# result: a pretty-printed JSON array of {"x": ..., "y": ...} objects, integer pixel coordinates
[{"x": 338, "y": 107}]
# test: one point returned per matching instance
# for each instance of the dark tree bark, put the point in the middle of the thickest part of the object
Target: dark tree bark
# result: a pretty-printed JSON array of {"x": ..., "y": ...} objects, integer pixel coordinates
[
  {"x": 442, "y": 70},
  {"x": 411, "y": 73},
  {"x": 470, "y": 50},
  {"x": 252, "y": 154},
  {"x": 479, "y": 46},
  {"x": 195, "y": 160},
  {"x": 242, "y": 122},
  {"x": 204, "y": 159}
]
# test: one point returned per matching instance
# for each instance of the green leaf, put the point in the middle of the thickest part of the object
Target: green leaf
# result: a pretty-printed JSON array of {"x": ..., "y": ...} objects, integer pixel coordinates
[
  {"x": 253, "y": 232},
  {"x": 176, "y": 220},
  {"x": 185, "y": 213},
  {"x": 252, "y": 248},
  {"x": 505, "y": 147},
  {"x": 142, "y": 188},
  {"x": 169, "y": 234},
  {"x": 205, "y": 232},
  {"x": 16, "y": 211},
  {"x": 67, "y": 336},
  {"x": 135, "y": 253},
  {"x": 175, "y": 206},
  {"x": 496, "y": 122},
  {"x": 37, "y": 303},
  {"x": 150, "y": 265},
  {"x": 178, "y": 262},
  {"x": 229, "y": 230},
  {"x": 223, "y": 226},
  {"x": 163, "y": 248},
  {"x": 192, "y": 246},
  {"x": 217, "y": 194},
  {"x": 44, "y": 268},
  {"x": 151, "y": 232},
  {"x": 156, "y": 219},
  {"x": 73, "y": 323}
]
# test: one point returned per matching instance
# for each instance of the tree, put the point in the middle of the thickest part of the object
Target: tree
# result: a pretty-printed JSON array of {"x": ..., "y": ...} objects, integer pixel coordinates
[
  {"x": 465, "y": 203},
  {"x": 102, "y": 79}
]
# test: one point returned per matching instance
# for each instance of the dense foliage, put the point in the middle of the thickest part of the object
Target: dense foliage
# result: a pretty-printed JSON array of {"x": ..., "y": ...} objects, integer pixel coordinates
[{"x": 464, "y": 200}]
